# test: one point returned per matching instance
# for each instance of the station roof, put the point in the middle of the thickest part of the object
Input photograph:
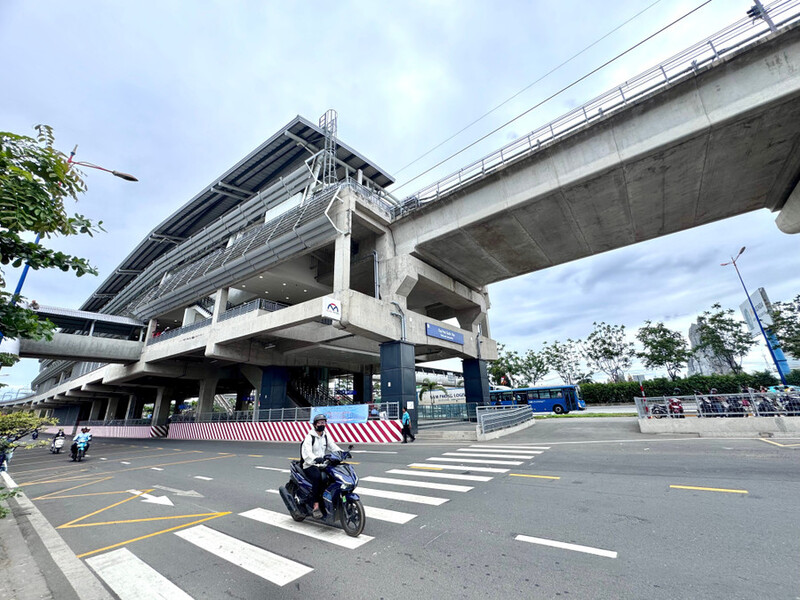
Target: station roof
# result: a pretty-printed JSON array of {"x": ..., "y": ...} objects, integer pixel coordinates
[
  {"x": 278, "y": 156},
  {"x": 81, "y": 320}
]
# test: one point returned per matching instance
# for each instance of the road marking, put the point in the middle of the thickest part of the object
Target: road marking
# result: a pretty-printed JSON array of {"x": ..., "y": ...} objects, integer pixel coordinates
[
  {"x": 495, "y": 451},
  {"x": 91, "y": 514},
  {"x": 156, "y": 469},
  {"x": 565, "y": 546},
  {"x": 420, "y": 473},
  {"x": 265, "y": 564},
  {"x": 460, "y": 468},
  {"x": 75, "y": 487},
  {"x": 512, "y": 447},
  {"x": 392, "y": 516},
  {"x": 310, "y": 529},
  {"x": 708, "y": 489},
  {"x": 103, "y": 459},
  {"x": 373, "y": 451},
  {"x": 149, "y": 535},
  {"x": 122, "y": 462},
  {"x": 534, "y": 476},
  {"x": 779, "y": 444},
  {"x": 131, "y": 578},
  {"x": 274, "y": 469},
  {"x": 190, "y": 493},
  {"x": 204, "y": 478},
  {"x": 256, "y": 455},
  {"x": 163, "y": 500},
  {"x": 479, "y": 461},
  {"x": 448, "y": 487},
  {"x": 272, "y": 491},
  {"x": 432, "y": 500},
  {"x": 487, "y": 455}
]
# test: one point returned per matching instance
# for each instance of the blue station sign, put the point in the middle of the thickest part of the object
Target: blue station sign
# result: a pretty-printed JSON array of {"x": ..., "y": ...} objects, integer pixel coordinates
[{"x": 444, "y": 334}]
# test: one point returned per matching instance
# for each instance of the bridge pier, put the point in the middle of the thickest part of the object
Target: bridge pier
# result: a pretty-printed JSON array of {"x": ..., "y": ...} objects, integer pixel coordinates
[
  {"x": 205, "y": 397},
  {"x": 398, "y": 381},
  {"x": 161, "y": 407},
  {"x": 476, "y": 380}
]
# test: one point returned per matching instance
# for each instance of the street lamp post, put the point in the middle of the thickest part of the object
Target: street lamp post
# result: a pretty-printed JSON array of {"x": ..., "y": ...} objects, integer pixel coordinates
[
  {"x": 24, "y": 274},
  {"x": 758, "y": 320}
]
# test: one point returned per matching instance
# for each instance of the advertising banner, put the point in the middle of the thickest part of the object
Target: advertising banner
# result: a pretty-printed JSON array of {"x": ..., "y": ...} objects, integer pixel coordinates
[{"x": 352, "y": 413}]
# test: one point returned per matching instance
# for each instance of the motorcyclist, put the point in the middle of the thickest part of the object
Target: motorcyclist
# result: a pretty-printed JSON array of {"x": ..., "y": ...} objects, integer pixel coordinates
[
  {"x": 315, "y": 446},
  {"x": 83, "y": 436},
  {"x": 86, "y": 430},
  {"x": 60, "y": 434}
]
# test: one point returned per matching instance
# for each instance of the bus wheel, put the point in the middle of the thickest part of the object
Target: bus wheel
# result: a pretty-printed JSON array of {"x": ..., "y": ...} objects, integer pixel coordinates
[{"x": 558, "y": 409}]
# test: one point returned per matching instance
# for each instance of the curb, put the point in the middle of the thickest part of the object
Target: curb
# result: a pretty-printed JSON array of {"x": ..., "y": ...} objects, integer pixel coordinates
[{"x": 82, "y": 580}]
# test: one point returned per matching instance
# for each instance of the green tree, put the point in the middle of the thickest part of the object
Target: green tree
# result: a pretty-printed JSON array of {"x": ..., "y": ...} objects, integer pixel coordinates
[
  {"x": 13, "y": 427},
  {"x": 723, "y": 336},
  {"x": 663, "y": 348},
  {"x": 428, "y": 386},
  {"x": 35, "y": 180},
  {"x": 565, "y": 359},
  {"x": 786, "y": 325},
  {"x": 606, "y": 350},
  {"x": 534, "y": 368},
  {"x": 507, "y": 368}
]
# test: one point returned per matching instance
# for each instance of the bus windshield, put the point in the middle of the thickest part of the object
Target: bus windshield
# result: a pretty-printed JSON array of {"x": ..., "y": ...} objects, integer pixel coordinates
[{"x": 557, "y": 399}]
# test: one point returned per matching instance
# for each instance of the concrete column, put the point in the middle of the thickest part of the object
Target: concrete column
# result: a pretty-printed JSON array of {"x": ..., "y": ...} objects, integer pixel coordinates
[
  {"x": 788, "y": 219},
  {"x": 398, "y": 382},
  {"x": 220, "y": 304},
  {"x": 205, "y": 398},
  {"x": 131, "y": 407},
  {"x": 152, "y": 325},
  {"x": 111, "y": 408},
  {"x": 362, "y": 384},
  {"x": 272, "y": 393},
  {"x": 161, "y": 408},
  {"x": 94, "y": 412},
  {"x": 476, "y": 381},
  {"x": 341, "y": 263}
]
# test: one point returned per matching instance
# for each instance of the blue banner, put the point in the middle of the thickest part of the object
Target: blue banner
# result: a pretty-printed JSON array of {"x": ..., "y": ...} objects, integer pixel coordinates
[
  {"x": 352, "y": 413},
  {"x": 444, "y": 334}
]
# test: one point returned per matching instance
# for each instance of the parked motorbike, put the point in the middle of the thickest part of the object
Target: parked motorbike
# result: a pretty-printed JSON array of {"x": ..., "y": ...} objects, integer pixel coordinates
[
  {"x": 767, "y": 407},
  {"x": 56, "y": 445},
  {"x": 736, "y": 407},
  {"x": 340, "y": 504},
  {"x": 792, "y": 405},
  {"x": 78, "y": 451},
  {"x": 658, "y": 411},
  {"x": 676, "y": 408}
]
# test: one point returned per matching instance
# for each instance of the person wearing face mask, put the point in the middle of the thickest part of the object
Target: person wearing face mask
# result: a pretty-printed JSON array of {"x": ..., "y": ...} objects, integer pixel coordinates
[{"x": 315, "y": 446}]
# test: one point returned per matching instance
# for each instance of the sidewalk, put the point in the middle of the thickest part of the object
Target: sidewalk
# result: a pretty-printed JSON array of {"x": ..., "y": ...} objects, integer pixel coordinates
[{"x": 35, "y": 562}]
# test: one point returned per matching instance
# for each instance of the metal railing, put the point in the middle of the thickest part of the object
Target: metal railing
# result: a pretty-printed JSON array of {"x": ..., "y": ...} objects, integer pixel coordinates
[
  {"x": 173, "y": 333},
  {"x": 464, "y": 411},
  {"x": 250, "y": 306},
  {"x": 115, "y": 423},
  {"x": 729, "y": 40},
  {"x": 388, "y": 410},
  {"x": 752, "y": 404},
  {"x": 492, "y": 418}
]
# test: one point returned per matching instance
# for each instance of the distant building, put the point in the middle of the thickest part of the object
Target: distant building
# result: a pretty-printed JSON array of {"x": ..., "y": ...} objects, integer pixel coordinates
[{"x": 704, "y": 361}]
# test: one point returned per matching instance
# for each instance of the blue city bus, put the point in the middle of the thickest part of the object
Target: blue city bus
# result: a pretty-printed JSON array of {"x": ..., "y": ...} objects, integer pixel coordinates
[{"x": 557, "y": 399}]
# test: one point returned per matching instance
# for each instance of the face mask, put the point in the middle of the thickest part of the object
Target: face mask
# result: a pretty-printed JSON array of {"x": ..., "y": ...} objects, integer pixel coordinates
[{"x": 320, "y": 428}]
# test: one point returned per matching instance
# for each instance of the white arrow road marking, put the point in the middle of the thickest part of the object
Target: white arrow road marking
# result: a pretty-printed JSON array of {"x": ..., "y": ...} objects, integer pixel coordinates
[
  {"x": 274, "y": 469},
  {"x": 152, "y": 499},
  {"x": 190, "y": 493}
]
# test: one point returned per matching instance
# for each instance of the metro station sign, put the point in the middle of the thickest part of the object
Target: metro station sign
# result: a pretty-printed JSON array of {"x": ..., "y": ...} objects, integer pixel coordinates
[
  {"x": 447, "y": 335},
  {"x": 331, "y": 309}
]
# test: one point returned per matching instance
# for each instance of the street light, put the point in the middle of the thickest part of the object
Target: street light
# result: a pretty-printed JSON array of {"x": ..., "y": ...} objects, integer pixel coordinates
[
  {"x": 758, "y": 320},
  {"x": 24, "y": 274}
]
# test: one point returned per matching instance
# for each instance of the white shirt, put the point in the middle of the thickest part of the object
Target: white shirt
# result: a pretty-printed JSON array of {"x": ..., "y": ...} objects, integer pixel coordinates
[{"x": 316, "y": 446}]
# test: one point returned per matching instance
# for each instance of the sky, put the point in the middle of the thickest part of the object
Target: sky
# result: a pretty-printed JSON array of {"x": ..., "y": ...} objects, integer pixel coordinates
[{"x": 176, "y": 92}]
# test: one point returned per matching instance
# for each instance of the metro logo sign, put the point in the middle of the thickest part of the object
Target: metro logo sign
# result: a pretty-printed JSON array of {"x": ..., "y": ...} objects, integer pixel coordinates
[{"x": 331, "y": 309}]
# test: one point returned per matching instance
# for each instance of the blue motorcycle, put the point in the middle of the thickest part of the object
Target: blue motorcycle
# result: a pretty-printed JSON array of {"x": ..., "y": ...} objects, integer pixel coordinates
[
  {"x": 78, "y": 451},
  {"x": 340, "y": 504}
]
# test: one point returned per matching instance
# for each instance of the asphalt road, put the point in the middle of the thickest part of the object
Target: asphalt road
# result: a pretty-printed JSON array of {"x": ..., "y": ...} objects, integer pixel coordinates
[{"x": 597, "y": 484}]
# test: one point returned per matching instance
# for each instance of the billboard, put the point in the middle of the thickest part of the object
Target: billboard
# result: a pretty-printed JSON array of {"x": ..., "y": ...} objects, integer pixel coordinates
[{"x": 763, "y": 309}]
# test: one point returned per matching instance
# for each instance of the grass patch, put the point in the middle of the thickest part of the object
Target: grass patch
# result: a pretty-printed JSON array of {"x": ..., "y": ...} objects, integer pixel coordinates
[{"x": 584, "y": 415}]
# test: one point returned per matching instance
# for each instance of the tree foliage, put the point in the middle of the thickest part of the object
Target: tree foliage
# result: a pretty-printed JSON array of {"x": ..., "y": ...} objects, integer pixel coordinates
[
  {"x": 429, "y": 386},
  {"x": 724, "y": 336},
  {"x": 786, "y": 325},
  {"x": 606, "y": 350},
  {"x": 564, "y": 359},
  {"x": 35, "y": 181},
  {"x": 663, "y": 348}
]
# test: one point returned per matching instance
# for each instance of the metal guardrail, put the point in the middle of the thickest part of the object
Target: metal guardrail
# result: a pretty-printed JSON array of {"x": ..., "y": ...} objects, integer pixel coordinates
[
  {"x": 719, "y": 405},
  {"x": 492, "y": 418},
  {"x": 116, "y": 423},
  {"x": 463, "y": 410},
  {"x": 257, "y": 304},
  {"x": 729, "y": 40},
  {"x": 388, "y": 410},
  {"x": 173, "y": 333}
]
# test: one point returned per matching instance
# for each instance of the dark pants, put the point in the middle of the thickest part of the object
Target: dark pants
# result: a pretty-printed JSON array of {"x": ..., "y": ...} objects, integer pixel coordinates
[
  {"x": 407, "y": 433},
  {"x": 314, "y": 475}
]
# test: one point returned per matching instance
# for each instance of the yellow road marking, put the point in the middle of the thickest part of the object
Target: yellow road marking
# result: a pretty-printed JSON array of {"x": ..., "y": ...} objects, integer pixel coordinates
[
  {"x": 139, "y": 520},
  {"x": 428, "y": 468},
  {"x": 534, "y": 476},
  {"x": 97, "y": 512},
  {"x": 78, "y": 478},
  {"x": 256, "y": 455},
  {"x": 708, "y": 489},
  {"x": 780, "y": 445},
  {"x": 51, "y": 494},
  {"x": 136, "y": 539}
]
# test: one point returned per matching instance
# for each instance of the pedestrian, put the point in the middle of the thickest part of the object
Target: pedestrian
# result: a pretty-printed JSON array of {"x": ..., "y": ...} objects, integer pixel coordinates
[{"x": 407, "y": 427}]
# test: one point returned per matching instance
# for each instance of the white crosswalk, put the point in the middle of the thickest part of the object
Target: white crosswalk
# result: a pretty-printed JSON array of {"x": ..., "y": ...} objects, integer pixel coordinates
[{"x": 131, "y": 578}]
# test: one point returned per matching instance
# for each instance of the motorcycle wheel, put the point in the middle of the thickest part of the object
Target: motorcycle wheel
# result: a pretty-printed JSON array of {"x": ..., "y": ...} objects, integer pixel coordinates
[
  {"x": 353, "y": 518},
  {"x": 291, "y": 487},
  {"x": 80, "y": 456}
]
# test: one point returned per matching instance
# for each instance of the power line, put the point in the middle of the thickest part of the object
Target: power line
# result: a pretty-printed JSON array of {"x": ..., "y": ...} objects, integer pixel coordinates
[
  {"x": 526, "y": 88},
  {"x": 562, "y": 90}
]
